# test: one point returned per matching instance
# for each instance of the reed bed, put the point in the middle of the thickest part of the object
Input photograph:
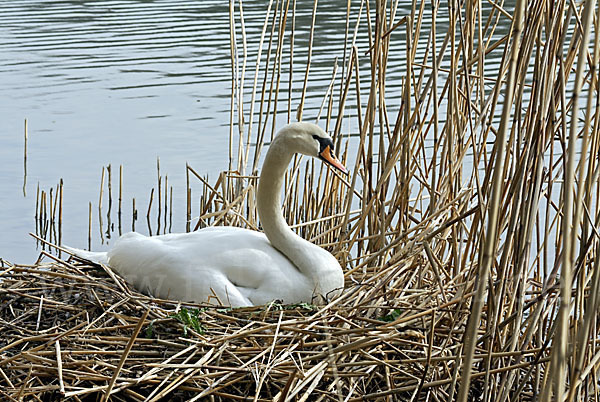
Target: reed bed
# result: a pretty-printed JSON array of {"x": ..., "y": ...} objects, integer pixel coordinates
[{"x": 467, "y": 228}]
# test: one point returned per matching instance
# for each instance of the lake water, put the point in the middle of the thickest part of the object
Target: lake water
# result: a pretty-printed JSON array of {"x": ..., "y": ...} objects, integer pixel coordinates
[
  {"x": 125, "y": 82},
  {"x": 122, "y": 82}
]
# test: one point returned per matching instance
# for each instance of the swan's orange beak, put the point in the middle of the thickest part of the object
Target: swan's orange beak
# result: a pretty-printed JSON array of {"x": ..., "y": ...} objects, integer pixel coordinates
[{"x": 330, "y": 158}]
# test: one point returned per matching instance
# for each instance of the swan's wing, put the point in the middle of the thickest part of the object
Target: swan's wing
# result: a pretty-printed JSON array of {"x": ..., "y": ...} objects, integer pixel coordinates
[
  {"x": 225, "y": 265},
  {"x": 98, "y": 257}
]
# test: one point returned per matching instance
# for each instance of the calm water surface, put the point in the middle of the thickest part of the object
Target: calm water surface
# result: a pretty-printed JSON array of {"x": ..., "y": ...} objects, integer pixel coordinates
[{"x": 125, "y": 82}]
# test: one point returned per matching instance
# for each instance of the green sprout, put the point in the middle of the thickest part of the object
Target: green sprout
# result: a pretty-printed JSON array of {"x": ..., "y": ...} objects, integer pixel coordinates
[
  {"x": 392, "y": 316},
  {"x": 150, "y": 330},
  {"x": 189, "y": 319}
]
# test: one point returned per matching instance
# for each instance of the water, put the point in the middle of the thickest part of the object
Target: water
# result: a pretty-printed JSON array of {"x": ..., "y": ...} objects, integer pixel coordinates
[{"x": 124, "y": 82}]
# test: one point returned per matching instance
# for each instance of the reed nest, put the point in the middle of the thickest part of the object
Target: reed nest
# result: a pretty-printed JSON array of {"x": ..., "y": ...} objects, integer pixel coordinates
[
  {"x": 75, "y": 330},
  {"x": 467, "y": 229},
  {"x": 72, "y": 329}
]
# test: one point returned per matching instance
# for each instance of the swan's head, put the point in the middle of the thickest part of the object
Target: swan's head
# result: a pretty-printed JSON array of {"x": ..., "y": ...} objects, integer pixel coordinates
[{"x": 309, "y": 139}]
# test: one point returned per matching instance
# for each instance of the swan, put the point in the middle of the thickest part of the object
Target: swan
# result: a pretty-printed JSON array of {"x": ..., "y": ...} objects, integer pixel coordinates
[{"x": 232, "y": 266}]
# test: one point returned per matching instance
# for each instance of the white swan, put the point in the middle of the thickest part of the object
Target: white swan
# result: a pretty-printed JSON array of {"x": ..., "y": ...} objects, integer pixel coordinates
[{"x": 233, "y": 266}]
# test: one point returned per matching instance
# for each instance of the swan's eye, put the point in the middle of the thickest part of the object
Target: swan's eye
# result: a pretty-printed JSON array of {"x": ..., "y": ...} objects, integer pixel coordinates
[
  {"x": 320, "y": 141},
  {"x": 324, "y": 143}
]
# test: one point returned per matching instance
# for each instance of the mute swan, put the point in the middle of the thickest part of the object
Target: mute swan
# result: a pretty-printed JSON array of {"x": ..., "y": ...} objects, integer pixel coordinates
[{"x": 240, "y": 266}]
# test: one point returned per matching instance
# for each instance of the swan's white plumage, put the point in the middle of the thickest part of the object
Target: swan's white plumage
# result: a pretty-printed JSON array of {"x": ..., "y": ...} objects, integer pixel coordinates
[
  {"x": 235, "y": 266},
  {"x": 240, "y": 266}
]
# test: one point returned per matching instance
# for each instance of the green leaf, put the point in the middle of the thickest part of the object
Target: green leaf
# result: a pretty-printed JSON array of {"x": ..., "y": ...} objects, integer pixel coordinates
[
  {"x": 189, "y": 319},
  {"x": 392, "y": 316},
  {"x": 150, "y": 330}
]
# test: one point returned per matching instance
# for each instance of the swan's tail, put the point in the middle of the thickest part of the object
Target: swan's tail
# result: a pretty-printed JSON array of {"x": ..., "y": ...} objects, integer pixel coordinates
[{"x": 99, "y": 257}]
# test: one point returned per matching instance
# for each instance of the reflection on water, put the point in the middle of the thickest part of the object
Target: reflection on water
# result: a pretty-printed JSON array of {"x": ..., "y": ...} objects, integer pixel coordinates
[{"x": 124, "y": 82}]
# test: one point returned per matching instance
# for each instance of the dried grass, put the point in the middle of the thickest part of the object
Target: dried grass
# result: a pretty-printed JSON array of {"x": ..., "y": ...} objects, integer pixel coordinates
[{"x": 74, "y": 330}]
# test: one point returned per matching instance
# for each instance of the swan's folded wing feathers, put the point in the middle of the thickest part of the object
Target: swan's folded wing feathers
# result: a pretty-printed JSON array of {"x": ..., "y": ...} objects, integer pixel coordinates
[{"x": 240, "y": 266}]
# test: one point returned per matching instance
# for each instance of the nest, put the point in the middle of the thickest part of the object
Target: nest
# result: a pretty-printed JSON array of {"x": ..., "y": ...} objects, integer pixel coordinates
[{"x": 75, "y": 330}]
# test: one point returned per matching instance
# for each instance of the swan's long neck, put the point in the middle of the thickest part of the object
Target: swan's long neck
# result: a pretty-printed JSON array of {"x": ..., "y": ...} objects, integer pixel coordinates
[{"x": 302, "y": 253}]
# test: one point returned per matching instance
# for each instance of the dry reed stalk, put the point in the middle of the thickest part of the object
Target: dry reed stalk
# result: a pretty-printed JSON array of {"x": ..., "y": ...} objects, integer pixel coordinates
[
  {"x": 90, "y": 226},
  {"x": 262, "y": 126},
  {"x": 488, "y": 249},
  {"x": 25, "y": 134},
  {"x": 570, "y": 233},
  {"x": 133, "y": 214},
  {"x": 590, "y": 305},
  {"x": 108, "y": 213},
  {"x": 60, "y": 212},
  {"x": 170, "y": 210},
  {"x": 166, "y": 203},
  {"x": 158, "y": 197},
  {"x": 149, "y": 211},
  {"x": 308, "y": 60},
  {"x": 100, "y": 197},
  {"x": 234, "y": 77},
  {"x": 119, "y": 214}
]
